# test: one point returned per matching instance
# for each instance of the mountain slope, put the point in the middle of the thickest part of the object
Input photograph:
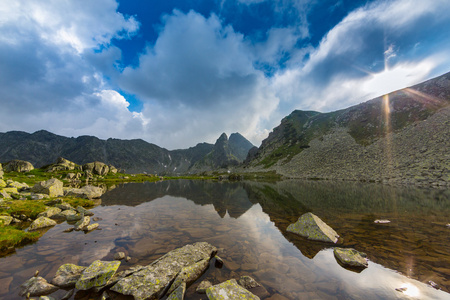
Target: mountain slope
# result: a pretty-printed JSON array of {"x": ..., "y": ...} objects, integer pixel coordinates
[{"x": 399, "y": 137}]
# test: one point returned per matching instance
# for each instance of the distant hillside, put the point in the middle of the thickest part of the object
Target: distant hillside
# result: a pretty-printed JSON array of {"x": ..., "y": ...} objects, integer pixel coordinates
[
  {"x": 400, "y": 137},
  {"x": 43, "y": 148}
]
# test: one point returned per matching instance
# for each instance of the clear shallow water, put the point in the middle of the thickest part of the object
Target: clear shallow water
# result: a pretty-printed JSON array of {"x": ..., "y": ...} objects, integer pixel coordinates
[{"x": 247, "y": 221}]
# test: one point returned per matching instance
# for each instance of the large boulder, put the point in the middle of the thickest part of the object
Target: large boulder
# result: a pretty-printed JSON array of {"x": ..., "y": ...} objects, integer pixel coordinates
[
  {"x": 36, "y": 286},
  {"x": 97, "y": 274},
  {"x": 152, "y": 281},
  {"x": 229, "y": 290},
  {"x": 41, "y": 222},
  {"x": 349, "y": 257},
  {"x": 52, "y": 187},
  {"x": 67, "y": 275},
  {"x": 62, "y": 164},
  {"x": 313, "y": 228},
  {"x": 97, "y": 168},
  {"x": 18, "y": 166},
  {"x": 87, "y": 192}
]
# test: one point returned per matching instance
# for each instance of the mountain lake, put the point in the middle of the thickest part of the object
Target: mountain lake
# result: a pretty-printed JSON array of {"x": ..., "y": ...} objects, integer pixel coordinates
[{"x": 409, "y": 257}]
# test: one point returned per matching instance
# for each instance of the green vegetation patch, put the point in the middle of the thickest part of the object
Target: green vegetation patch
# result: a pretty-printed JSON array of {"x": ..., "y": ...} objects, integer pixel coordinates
[
  {"x": 30, "y": 208},
  {"x": 13, "y": 237}
]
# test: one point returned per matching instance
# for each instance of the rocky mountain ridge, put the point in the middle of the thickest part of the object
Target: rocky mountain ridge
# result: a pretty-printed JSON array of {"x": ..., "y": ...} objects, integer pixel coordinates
[
  {"x": 401, "y": 137},
  {"x": 133, "y": 156}
]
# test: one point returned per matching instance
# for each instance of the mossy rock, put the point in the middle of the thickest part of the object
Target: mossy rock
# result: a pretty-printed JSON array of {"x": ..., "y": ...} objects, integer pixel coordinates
[
  {"x": 97, "y": 274},
  {"x": 41, "y": 222},
  {"x": 349, "y": 257},
  {"x": 67, "y": 275},
  {"x": 313, "y": 228},
  {"x": 229, "y": 290}
]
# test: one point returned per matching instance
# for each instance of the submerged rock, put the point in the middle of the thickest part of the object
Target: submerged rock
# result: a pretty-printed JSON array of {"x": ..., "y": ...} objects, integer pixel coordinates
[
  {"x": 119, "y": 256},
  {"x": 97, "y": 274},
  {"x": 41, "y": 222},
  {"x": 203, "y": 286},
  {"x": 248, "y": 282},
  {"x": 37, "y": 286},
  {"x": 229, "y": 290},
  {"x": 349, "y": 257},
  {"x": 152, "y": 281},
  {"x": 67, "y": 275},
  {"x": 313, "y": 228},
  {"x": 52, "y": 187}
]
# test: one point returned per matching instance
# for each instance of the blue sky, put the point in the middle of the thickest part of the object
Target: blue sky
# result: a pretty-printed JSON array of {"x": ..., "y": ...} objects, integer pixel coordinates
[{"x": 179, "y": 72}]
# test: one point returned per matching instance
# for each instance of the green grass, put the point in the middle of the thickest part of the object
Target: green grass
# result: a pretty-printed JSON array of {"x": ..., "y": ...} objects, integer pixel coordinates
[
  {"x": 30, "y": 208},
  {"x": 13, "y": 237}
]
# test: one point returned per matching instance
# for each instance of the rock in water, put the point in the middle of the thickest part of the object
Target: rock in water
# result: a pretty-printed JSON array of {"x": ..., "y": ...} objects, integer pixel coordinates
[
  {"x": 87, "y": 192},
  {"x": 190, "y": 274},
  {"x": 41, "y": 222},
  {"x": 313, "y": 228},
  {"x": 229, "y": 290},
  {"x": 248, "y": 282},
  {"x": 37, "y": 286},
  {"x": 152, "y": 281},
  {"x": 50, "y": 212},
  {"x": 52, "y": 187},
  {"x": 83, "y": 223},
  {"x": 178, "y": 294},
  {"x": 349, "y": 257},
  {"x": 67, "y": 275},
  {"x": 203, "y": 286},
  {"x": 97, "y": 274}
]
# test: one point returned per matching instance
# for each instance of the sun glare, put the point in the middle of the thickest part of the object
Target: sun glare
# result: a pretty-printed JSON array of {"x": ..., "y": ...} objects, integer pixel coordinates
[{"x": 410, "y": 290}]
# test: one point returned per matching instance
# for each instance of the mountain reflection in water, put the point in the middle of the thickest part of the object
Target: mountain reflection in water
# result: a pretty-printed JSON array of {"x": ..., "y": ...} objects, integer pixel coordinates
[{"x": 248, "y": 220}]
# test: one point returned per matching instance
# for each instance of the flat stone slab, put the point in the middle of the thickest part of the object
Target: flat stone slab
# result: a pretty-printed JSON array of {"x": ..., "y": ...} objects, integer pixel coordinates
[
  {"x": 313, "y": 228},
  {"x": 349, "y": 257},
  {"x": 97, "y": 274},
  {"x": 151, "y": 281},
  {"x": 229, "y": 290}
]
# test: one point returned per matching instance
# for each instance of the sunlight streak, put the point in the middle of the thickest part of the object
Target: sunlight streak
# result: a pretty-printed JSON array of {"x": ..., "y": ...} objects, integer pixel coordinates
[
  {"x": 422, "y": 97},
  {"x": 388, "y": 135}
]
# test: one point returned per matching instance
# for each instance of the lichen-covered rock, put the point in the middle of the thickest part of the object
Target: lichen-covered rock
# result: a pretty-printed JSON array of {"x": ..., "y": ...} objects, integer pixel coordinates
[
  {"x": 37, "y": 286},
  {"x": 10, "y": 190},
  {"x": 67, "y": 275},
  {"x": 17, "y": 185},
  {"x": 90, "y": 227},
  {"x": 87, "y": 192},
  {"x": 313, "y": 228},
  {"x": 18, "y": 166},
  {"x": 151, "y": 281},
  {"x": 74, "y": 217},
  {"x": 97, "y": 274},
  {"x": 83, "y": 223},
  {"x": 203, "y": 286},
  {"x": 50, "y": 212},
  {"x": 349, "y": 257},
  {"x": 1, "y": 171},
  {"x": 248, "y": 282},
  {"x": 62, "y": 164},
  {"x": 65, "y": 215},
  {"x": 97, "y": 168},
  {"x": 65, "y": 206},
  {"x": 190, "y": 274},
  {"x": 178, "y": 293},
  {"x": 5, "y": 220},
  {"x": 112, "y": 169},
  {"x": 2, "y": 183},
  {"x": 41, "y": 222},
  {"x": 52, "y": 187},
  {"x": 229, "y": 290},
  {"x": 4, "y": 195}
]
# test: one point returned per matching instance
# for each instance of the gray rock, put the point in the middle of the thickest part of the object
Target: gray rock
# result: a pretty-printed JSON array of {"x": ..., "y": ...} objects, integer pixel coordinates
[
  {"x": 97, "y": 274},
  {"x": 18, "y": 166},
  {"x": 349, "y": 257},
  {"x": 2, "y": 183},
  {"x": 5, "y": 220},
  {"x": 97, "y": 168},
  {"x": 84, "y": 211},
  {"x": 178, "y": 294},
  {"x": 50, "y": 212},
  {"x": 67, "y": 275},
  {"x": 313, "y": 228},
  {"x": 151, "y": 281},
  {"x": 37, "y": 286},
  {"x": 190, "y": 274},
  {"x": 65, "y": 206},
  {"x": 1, "y": 171},
  {"x": 41, "y": 222},
  {"x": 83, "y": 223},
  {"x": 74, "y": 217},
  {"x": 87, "y": 192},
  {"x": 229, "y": 290},
  {"x": 248, "y": 282},
  {"x": 38, "y": 196},
  {"x": 203, "y": 286},
  {"x": 52, "y": 187}
]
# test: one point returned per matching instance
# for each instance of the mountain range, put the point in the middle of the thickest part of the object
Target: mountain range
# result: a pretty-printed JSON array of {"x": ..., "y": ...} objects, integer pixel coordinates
[
  {"x": 133, "y": 156},
  {"x": 403, "y": 137}
]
